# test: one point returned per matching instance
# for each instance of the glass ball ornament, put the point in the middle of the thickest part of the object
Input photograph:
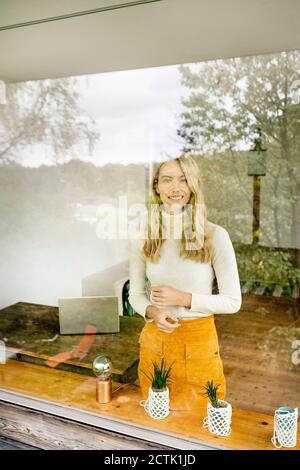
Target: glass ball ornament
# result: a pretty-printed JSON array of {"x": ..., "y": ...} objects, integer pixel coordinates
[{"x": 102, "y": 367}]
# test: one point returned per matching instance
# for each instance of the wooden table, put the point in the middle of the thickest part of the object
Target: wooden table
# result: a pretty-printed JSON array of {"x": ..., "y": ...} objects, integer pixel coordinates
[{"x": 31, "y": 332}]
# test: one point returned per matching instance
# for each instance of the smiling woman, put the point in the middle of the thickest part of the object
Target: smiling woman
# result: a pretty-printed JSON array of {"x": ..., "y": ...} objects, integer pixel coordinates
[
  {"x": 180, "y": 312},
  {"x": 172, "y": 187}
]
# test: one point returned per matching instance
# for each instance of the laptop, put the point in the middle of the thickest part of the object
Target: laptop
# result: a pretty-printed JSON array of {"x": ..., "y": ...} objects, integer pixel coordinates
[{"x": 88, "y": 315}]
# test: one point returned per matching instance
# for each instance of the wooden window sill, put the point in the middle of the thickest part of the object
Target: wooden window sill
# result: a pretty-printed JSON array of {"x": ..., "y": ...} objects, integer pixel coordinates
[{"x": 71, "y": 397}]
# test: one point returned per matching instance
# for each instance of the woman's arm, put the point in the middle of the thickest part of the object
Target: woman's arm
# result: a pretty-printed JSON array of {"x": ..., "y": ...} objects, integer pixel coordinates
[
  {"x": 165, "y": 321},
  {"x": 229, "y": 298},
  {"x": 137, "y": 283}
]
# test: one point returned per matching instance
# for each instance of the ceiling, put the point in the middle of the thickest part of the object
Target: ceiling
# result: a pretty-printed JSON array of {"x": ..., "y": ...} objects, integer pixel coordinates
[{"x": 39, "y": 39}]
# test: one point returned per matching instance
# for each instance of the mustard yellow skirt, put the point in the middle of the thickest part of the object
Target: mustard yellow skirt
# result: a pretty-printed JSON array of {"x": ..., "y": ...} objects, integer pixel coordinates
[{"x": 195, "y": 348}]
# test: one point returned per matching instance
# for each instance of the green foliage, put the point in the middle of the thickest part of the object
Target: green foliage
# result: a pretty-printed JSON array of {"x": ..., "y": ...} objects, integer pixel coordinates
[
  {"x": 160, "y": 377},
  {"x": 212, "y": 393},
  {"x": 127, "y": 308},
  {"x": 266, "y": 265},
  {"x": 224, "y": 103},
  {"x": 229, "y": 98}
]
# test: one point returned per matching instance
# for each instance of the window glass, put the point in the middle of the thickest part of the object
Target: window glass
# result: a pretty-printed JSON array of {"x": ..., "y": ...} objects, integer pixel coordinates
[{"x": 76, "y": 162}]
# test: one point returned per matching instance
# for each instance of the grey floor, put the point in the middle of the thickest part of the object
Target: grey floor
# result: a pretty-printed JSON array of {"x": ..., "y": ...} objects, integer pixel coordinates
[{"x": 9, "y": 444}]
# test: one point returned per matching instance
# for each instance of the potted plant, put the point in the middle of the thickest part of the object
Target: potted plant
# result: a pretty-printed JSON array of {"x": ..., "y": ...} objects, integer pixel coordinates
[
  {"x": 157, "y": 404},
  {"x": 218, "y": 419},
  {"x": 285, "y": 427}
]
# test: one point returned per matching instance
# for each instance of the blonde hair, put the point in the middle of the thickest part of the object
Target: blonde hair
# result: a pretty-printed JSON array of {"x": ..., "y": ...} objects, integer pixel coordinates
[{"x": 199, "y": 227}]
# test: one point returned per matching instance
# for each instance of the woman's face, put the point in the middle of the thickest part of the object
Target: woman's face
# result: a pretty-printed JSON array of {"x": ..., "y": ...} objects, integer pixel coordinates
[{"x": 172, "y": 187}]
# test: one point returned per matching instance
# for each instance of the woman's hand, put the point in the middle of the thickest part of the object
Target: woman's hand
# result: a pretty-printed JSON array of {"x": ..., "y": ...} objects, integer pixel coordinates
[
  {"x": 167, "y": 296},
  {"x": 165, "y": 321}
]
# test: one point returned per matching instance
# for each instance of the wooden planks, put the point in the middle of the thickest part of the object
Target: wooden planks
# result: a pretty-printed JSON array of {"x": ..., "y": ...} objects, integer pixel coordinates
[
  {"x": 28, "y": 427},
  {"x": 295, "y": 293},
  {"x": 256, "y": 348},
  {"x": 246, "y": 287},
  {"x": 10, "y": 444},
  {"x": 270, "y": 289},
  {"x": 260, "y": 290},
  {"x": 277, "y": 291}
]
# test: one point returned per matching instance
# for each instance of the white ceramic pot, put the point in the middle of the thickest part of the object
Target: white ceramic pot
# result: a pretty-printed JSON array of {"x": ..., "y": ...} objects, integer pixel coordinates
[
  {"x": 285, "y": 427},
  {"x": 157, "y": 404},
  {"x": 218, "y": 420}
]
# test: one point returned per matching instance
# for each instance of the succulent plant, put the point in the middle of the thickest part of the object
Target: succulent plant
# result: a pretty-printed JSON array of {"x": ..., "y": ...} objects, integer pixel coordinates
[
  {"x": 160, "y": 376},
  {"x": 211, "y": 391}
]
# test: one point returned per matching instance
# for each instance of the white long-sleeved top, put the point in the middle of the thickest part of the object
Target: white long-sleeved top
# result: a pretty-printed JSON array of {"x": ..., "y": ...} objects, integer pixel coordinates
[{"x": 187, "y": 275}]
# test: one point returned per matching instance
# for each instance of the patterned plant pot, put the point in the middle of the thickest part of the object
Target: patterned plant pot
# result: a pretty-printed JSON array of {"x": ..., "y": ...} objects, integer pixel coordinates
[
  {"x": 218, "y": 420},
  {"x": 157, "y": 403},
  {"x": 285, "y": 427}
]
